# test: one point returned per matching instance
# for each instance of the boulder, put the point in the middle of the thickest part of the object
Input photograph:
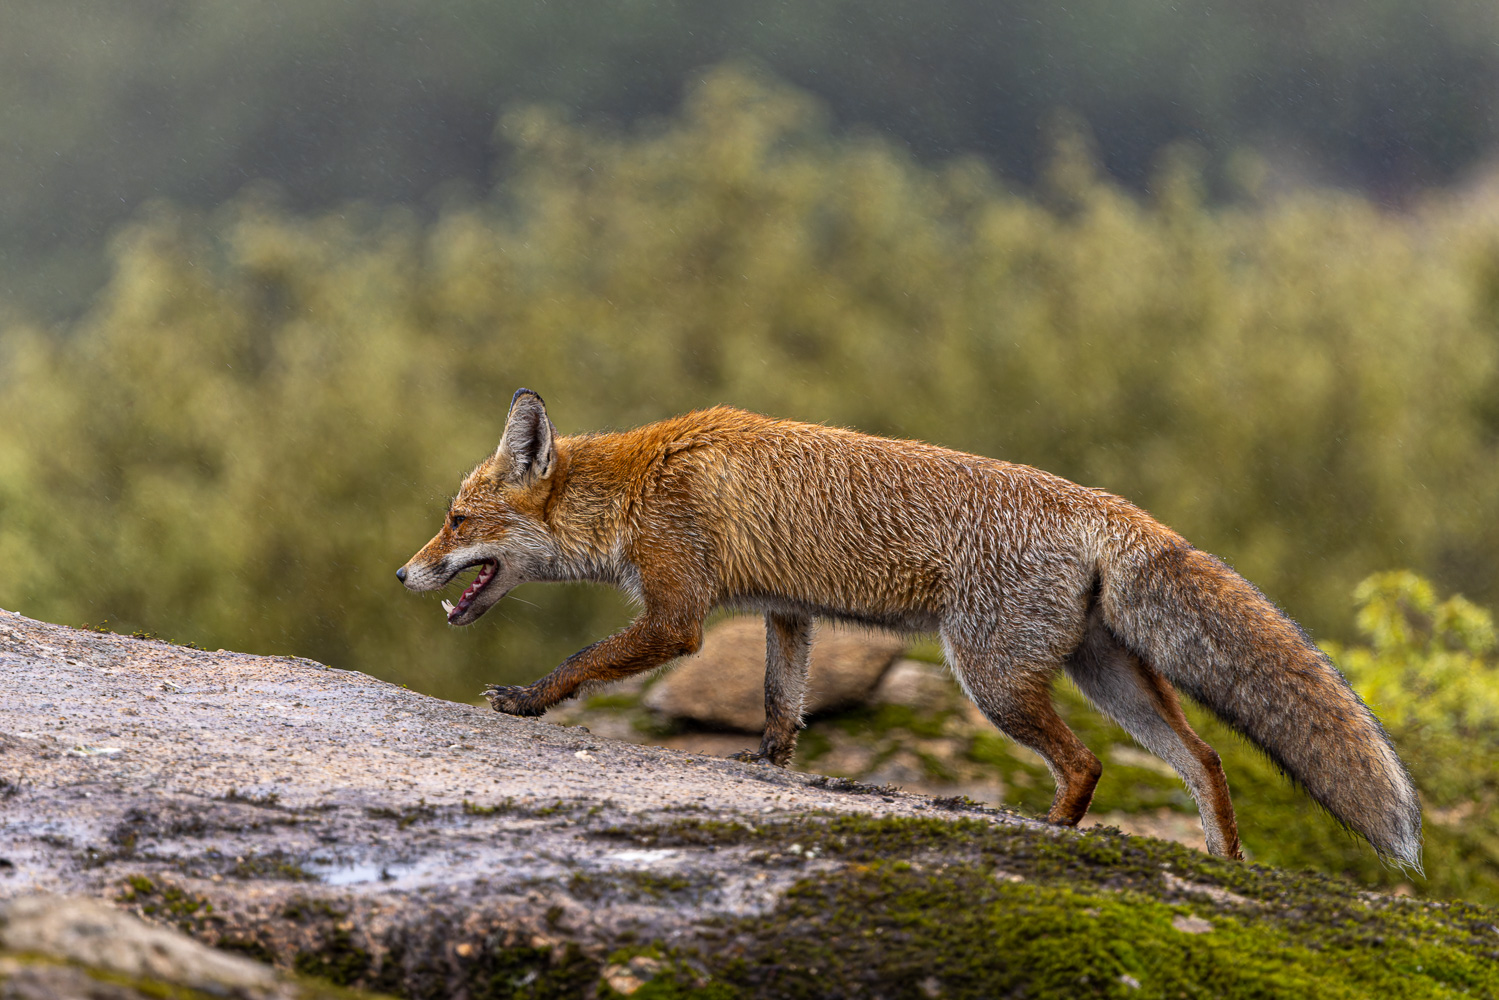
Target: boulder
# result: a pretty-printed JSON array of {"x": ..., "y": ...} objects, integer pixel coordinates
[
  {"x": 92, "y": 934},
  {"x": 919, "y": 685},
  {"x": 723, "y": 685}
]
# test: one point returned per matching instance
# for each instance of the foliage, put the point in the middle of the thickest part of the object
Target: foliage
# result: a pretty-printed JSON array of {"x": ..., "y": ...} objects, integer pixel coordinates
[
  {"x": 259, "y": 420},
  {"x": 108, "y": 104},
  {"x": 1429, "y": 665},
  {"x": 1428, "y": 670},
  {"x": 1431, "y": 673}
]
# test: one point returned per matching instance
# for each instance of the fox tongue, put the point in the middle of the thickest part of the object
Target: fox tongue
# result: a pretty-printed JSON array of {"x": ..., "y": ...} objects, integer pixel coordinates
[{"x": 486, "y": 573}]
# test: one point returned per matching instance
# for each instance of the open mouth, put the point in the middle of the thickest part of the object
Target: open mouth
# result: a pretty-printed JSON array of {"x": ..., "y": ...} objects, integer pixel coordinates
[{"x": 487, "y": 570}]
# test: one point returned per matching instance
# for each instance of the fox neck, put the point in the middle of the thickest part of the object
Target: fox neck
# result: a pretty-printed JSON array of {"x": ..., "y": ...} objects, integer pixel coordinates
[{"x": 587, "y": 515}]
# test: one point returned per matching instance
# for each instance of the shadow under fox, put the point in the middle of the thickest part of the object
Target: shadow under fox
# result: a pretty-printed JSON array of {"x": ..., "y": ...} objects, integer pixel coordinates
[{"x": 1021, "y": 574}]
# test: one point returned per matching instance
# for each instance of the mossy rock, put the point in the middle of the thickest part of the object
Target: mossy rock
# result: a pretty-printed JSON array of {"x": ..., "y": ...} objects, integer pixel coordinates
[{"x": 970, "y": 908}]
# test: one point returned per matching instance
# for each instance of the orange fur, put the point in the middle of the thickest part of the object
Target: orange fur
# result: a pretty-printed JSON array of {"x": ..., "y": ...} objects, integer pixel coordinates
[{"x": 1020, "y": 573}]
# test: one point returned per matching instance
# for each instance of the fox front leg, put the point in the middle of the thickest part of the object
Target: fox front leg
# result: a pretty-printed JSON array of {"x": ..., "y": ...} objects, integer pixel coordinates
[{"x": 648, "y": 642}]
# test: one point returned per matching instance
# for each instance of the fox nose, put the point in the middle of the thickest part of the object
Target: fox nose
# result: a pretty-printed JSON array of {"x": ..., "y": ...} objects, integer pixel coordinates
[{"x": 401, "y": 574}]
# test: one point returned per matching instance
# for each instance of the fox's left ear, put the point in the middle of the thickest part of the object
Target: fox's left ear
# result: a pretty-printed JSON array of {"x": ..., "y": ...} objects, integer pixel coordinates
[{"x": 527, "y": 449}]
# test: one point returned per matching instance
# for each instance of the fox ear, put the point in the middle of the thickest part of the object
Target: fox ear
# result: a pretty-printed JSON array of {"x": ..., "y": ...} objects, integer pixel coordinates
[{"x": 527, "y": 450}]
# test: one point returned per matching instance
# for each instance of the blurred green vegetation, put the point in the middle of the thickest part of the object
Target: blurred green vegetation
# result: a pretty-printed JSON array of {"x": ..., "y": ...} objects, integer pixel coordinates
[
  {"x": 261, "y": 417},
  {"x": 104, "y": 105}
]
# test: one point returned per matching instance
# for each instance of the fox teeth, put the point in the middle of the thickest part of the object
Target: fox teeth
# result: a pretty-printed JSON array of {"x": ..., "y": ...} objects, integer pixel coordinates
[{"x": 447, "y": 606}]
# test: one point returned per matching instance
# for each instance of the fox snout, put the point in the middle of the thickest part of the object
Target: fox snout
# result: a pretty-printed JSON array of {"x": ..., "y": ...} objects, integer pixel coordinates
[{"x": 419, "y": 575}]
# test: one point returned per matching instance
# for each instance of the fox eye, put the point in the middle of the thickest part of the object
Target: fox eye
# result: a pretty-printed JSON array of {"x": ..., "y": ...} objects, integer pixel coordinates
[{"x": 454, "y": 520}]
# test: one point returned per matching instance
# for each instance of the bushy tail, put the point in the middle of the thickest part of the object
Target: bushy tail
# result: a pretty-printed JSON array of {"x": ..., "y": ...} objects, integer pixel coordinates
[{"x": 1214, "y": 636}]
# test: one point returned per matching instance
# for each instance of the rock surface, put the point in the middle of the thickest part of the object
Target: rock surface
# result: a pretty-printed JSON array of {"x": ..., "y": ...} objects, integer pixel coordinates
[
  {"x": 917, "y": 685},
  {"x": 284, "y": 808},
  {"x": 358, "y": 833},
  {"x": 723, "y": 684},
  {"x": 88, "y": 933}
]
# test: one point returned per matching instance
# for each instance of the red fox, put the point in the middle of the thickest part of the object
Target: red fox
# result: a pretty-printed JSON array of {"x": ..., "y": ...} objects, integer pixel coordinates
[{"x": 1019, "y": 572}]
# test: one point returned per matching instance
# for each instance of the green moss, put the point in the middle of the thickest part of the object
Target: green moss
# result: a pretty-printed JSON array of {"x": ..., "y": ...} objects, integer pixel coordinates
[
  {"x": 616, "y": 701},
  {"x": 665, "y": 974},
  {"x": 812, "y": 744},
  {"x": 657, "y": 726},
  {"x": 973, "y": 908},
  {"x": 961, "y": 803},
  {"x": 879, "y": 719},
  {"x": 956, "y": 931},
  {"x": 337, "y": 958},
  {"x": 635, "y": 885},
  {"x": 970, "y": 907},
  {"x": 273, "y": 865},
  {"x": 1098, "y": 858},
  {"x": 167, "y": 902},
  {"x": 306, "y": 909},
  {"x": 405, "y": 816},
  {"x": 658, "y": 886},
  {"x": 104, "y": 629}
]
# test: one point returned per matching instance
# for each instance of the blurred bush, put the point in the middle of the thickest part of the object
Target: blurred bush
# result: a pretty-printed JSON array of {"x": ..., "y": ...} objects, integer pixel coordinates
[
  {"x": 103, "y": 105},
  {"x": 260, "y": 418},
  {"x": 1429, "y": 672}
]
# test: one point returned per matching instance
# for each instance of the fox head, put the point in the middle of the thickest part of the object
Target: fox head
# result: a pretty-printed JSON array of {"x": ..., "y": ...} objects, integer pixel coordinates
[{"x": 496, "y": 522}]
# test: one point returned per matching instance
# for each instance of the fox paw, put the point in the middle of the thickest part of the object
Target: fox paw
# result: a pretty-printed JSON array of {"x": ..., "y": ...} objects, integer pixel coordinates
[
  {"x": 749, "y": 757},
  {"x": 757, "y": 757},
  {"x": 514, "y": 700}
]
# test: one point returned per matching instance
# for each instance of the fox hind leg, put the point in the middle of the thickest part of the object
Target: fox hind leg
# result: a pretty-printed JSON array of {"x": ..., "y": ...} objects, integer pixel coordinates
[
  {"x": 1127, "y": 690},
  {"x": 788, "y": 648},
  {"x": 1016, "y": 697}
]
